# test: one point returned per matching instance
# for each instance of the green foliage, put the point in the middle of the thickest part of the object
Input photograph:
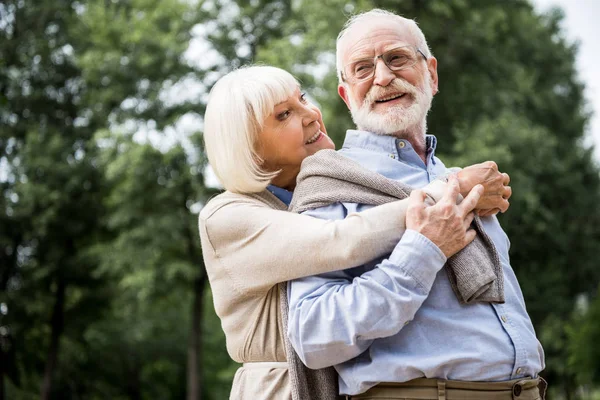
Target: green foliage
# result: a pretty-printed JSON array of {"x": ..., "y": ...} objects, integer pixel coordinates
[
  {"x": 95, "y": 297},
  {"x": 583, "y": 333}
]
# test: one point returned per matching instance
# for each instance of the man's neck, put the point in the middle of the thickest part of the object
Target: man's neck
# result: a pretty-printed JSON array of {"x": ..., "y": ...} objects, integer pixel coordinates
[
  {"x": 420, "y": 148},
  {"x": 417, "y": 141}
]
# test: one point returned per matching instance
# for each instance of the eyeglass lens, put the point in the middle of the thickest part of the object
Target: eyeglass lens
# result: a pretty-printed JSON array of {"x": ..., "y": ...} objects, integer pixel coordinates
[{"x": 395, "y": 59}]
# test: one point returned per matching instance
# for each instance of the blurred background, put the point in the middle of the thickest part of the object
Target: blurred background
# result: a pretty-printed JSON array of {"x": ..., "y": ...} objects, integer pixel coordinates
[{"x": 103, "y": 293}]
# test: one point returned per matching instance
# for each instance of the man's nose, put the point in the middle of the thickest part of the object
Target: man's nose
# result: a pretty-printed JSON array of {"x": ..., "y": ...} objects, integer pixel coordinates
[{"x": 383, "y": 75}]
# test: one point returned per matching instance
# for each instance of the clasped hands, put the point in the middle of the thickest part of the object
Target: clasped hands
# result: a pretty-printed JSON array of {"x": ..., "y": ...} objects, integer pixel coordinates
[
  {"x": 496, "y": 191},
  {"x": 447, "y": 224}
]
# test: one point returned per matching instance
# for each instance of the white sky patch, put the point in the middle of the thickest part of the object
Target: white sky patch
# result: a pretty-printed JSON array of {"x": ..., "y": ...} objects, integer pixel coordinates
[
  {"x": 581, "y": 24},
  {"x": 4, "y": 169},
  {"x": 186, "y": 90},
  {"x": 179, "y": 133},
  {"x": 210, "y": 179},
  {"x": 200, "y": 53}
]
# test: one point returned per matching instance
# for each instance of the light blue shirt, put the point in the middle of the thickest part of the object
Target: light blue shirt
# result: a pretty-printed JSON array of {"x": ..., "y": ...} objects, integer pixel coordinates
[
  {"x": 397, "y": 318},
  {"x": 282, "y": 194}
]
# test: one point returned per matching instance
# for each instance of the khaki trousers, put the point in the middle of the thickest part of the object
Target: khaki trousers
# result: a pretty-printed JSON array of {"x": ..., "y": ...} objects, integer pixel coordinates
[{"x": 437, "y": 389}]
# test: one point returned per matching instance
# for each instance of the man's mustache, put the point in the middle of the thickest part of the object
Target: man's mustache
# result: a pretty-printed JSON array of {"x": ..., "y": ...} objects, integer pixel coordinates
[{"x": 396, "y": 86}]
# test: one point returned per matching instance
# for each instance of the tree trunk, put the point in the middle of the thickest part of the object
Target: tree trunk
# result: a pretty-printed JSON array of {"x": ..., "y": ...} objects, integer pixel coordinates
[
  {"x": 134, "y": 386},
  {"x": 1, "y": 384},
  {"x": 194, "y": 368},
  {"x": 57, "y": 327}
]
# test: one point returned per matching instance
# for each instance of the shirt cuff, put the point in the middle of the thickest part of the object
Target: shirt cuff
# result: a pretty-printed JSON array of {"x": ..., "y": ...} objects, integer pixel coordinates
[{"x": 419, "y": 257}]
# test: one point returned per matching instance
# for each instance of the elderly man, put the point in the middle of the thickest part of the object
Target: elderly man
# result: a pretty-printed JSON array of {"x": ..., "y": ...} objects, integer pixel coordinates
[{"x": 394, "y": 328}]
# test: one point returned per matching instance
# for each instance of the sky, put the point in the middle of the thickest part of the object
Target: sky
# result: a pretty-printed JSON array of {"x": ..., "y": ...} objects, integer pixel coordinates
[{"x": 582, "y": 24}]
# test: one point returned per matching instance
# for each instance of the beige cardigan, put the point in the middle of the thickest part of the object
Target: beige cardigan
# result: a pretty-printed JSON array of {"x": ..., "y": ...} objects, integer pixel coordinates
[{"x": 250, "y": 243}]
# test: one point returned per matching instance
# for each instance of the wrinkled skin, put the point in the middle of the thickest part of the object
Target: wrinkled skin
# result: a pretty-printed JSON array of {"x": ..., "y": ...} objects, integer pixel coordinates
[
  {"x": 495, "y": 183},
  {"x": 446, "y": 223}
]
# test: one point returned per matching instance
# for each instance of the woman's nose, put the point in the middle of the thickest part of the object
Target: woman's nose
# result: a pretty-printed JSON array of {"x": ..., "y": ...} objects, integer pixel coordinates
[{"x": 311, "y": 114}]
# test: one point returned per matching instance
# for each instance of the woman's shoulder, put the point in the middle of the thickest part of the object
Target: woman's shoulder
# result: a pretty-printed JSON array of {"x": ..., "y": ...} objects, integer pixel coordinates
[{"x": 228, "y": 201}]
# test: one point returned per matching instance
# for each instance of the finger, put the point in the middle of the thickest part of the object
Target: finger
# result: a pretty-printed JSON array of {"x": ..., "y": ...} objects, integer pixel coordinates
[
  {"x": 489, "y": 211},
  {"x": 493, "y": 211},
  {"x": 504, "y": 206},
  {"x": 470, "y": 202},
  {"x": 469, "y": 219},
  {"x": 452, "y": 190},
  {"x": 470, "y": 236},
  {"x": 506, "y": 178},
  {"x": 417, "y": 199},
  {"x": 492, "y": 165},
  {"x": 507, "y": 192}
]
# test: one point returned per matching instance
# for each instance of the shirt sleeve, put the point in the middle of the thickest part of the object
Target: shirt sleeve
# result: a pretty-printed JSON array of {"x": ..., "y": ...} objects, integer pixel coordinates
[{"x": 335, "y": 316}]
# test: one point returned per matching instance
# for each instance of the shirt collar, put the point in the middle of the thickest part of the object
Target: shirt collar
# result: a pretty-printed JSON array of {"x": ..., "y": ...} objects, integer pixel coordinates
[
  {"x": 385, "y": 143},
  {"x": 282, "y": 194}
]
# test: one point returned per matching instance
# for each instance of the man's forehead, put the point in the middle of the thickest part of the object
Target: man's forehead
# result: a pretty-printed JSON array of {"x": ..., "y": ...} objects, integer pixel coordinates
[{"x": 376, "y": 34}]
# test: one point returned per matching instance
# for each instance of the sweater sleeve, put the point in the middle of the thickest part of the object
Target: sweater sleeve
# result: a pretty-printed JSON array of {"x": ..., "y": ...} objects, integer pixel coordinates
[{"x": 260, "y": 247}]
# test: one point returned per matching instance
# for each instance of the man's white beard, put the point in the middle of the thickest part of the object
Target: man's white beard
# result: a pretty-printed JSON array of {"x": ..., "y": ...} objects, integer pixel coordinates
[{"x": 396, "y": 119}]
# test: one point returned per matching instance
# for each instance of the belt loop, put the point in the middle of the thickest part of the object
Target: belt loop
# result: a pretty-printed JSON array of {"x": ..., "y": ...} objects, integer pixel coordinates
[
  {"x": 441, "y": 390},
  {"x": 542, "y": 386}
]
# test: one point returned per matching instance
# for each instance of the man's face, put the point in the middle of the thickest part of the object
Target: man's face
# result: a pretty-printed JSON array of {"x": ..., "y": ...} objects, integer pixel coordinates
[{"x": 390, "y": 102}]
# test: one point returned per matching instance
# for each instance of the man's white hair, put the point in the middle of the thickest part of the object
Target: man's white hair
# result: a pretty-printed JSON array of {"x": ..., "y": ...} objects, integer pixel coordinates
[
  {"x": 237, "y": 108},
  {"x": 417, "y": 36}
]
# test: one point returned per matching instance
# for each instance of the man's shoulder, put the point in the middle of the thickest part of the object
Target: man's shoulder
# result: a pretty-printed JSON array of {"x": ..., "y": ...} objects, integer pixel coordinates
[{"x": 362, "y": 156}]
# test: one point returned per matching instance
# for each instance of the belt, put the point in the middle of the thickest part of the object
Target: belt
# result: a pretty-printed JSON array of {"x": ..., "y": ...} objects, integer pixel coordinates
[
  {"x": 266, "y": 364},
  {"x": 438, "y": 389}
]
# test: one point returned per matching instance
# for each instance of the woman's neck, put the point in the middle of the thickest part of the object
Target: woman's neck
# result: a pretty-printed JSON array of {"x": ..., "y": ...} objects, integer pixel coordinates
[{"x": 286, "y": 179}]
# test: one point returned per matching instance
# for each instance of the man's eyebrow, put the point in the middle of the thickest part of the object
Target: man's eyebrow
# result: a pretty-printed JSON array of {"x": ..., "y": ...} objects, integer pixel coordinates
[
  {"x": 362, "y": 56},
  {"x": 370, "y": 54}
]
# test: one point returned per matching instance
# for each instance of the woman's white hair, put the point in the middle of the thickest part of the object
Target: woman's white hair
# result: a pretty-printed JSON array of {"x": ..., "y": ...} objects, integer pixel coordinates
[
  {"x": 417, "y": 36},
  {"x": 238, "y": 105}
]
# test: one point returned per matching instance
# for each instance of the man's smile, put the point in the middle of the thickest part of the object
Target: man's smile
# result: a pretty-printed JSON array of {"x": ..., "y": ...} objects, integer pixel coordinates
[{"x": 390, "y": 98}]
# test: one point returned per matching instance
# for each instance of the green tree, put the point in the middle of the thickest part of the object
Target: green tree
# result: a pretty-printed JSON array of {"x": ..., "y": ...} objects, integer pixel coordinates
[
  {"x": 69, "y": 69},
  {"x": 154, "y": 257}
]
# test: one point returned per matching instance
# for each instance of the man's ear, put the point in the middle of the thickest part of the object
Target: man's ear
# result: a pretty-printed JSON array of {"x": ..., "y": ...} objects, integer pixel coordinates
[
  {"x": 343, "y": 92},
  {"x": 432, "y": 68}
]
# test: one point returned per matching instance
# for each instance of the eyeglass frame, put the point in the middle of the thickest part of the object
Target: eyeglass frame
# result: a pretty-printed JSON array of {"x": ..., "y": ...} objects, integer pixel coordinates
[{"x": 342, "y": 73}]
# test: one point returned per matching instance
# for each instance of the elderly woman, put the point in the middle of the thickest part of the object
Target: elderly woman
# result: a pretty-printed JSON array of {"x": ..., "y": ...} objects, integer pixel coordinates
[{"x": 259, "y": 128}]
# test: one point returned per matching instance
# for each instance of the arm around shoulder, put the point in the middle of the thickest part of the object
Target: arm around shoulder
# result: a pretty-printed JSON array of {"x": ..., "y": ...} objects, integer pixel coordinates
[{"x": 259, "y": 246}]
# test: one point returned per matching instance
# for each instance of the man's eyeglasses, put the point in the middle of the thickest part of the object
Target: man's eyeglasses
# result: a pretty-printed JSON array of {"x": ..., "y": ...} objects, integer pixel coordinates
[{"x": 396, "y": 59}]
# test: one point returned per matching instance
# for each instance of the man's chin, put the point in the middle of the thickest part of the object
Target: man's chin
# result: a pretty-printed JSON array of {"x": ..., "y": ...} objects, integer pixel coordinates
[{"x": 383, "y": 125}]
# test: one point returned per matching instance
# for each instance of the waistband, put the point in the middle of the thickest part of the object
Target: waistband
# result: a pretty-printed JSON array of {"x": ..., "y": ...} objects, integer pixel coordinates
[
  {"x": 267, "y": 364},
  {"x": 438, "y": 389}
]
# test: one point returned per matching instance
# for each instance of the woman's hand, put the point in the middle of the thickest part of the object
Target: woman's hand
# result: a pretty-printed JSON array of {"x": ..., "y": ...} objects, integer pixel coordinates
[
  {"x": 445, "y": 223},
  {"x": 495, "y": 183}
]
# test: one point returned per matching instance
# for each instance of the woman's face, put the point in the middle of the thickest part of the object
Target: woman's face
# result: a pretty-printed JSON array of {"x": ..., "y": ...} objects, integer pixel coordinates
[{"x": 294, "y": 131}]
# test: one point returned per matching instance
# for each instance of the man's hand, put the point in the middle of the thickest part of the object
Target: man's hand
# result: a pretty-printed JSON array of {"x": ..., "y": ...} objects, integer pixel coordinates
[
  {"x": 446, "y": 224},
  {"x": 496, "y": 190}
]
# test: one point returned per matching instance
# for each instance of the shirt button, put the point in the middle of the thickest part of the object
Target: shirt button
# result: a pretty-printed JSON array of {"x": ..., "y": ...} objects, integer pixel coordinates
[
  {"x": 392, "y": 156},
  {"x": 406, "y": 323},
  {"x": 503, "y": 318},
  {"x": 519, "y": 371},
  {"x": 401, "y": 144}
]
